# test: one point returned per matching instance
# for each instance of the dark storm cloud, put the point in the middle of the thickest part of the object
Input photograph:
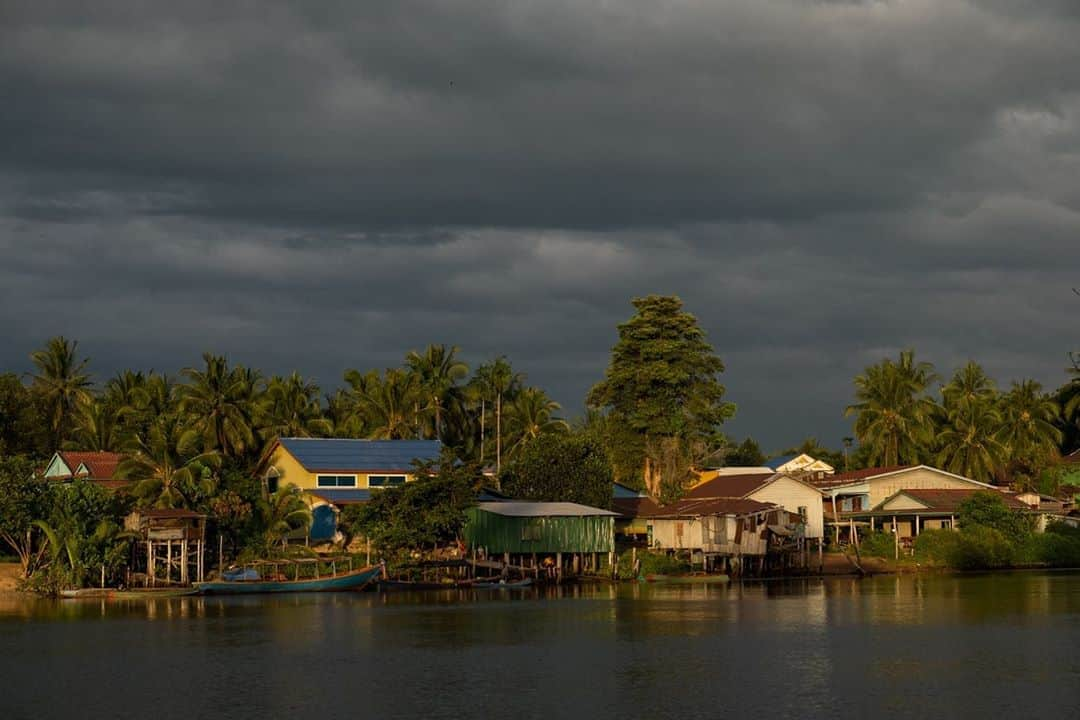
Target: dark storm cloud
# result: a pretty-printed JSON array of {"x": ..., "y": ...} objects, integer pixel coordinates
[{"x": 323, "y": 185}]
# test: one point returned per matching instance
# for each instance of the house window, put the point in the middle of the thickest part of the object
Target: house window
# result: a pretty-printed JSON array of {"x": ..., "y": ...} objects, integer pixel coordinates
[
  {"x": 329, "y": 481},
  {"x": 856, "y": 503},
  {"x": 385, "y": 480},
  {"x": 802, "y": 512}
]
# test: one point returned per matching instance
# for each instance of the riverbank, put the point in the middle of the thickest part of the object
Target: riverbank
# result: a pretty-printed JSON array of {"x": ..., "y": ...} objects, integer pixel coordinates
[{"x": 9, "y": 576}]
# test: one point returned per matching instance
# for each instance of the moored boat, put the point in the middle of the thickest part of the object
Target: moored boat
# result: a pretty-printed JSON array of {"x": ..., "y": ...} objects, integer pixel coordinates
[
  {"x": 503, "y": 584},
  {"x": 250, "y": 580},
  {"x": 127, "y": 594}
]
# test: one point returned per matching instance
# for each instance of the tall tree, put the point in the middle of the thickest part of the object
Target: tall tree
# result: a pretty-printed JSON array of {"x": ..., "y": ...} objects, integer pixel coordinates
[
  {"x": 386, "y": 407},
  {"x": 530, "y": 415},
  {"x": 222, "y": 405},
  {"x": 1028, "y": 432},
  {"x": 663, "y": 379},
  {"x": 438, "y": 372},
  {"x": 62, "y": 382},
  {"x": 294, "y": 410},
  {"x": 97, "y": 427},
  {"x": 969, "y": 444},
  {"x": 23, "y": 499},
  {"x": 893, "y": 413},
  {"x": 167, "y": 467},
  {"x": 494, "y": 383}
]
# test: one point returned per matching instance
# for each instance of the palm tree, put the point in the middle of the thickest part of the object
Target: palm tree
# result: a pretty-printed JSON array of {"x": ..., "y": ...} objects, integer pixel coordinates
[
  {"x": 1028, "y": 431},
  {"x": 970, "y": 386},
  {"x": 387, "y": 407},
  {"x": 495, "y": 382},
  {"x": 222, "y": 405},
  {"x": 438, "y": 371},
  {"x": 294, "y": 410},
  {"x": 530, "y": 415},
  {"x": 969, "y": 445},
  {"x": 61, "y": 381},
  {"x": 281, "y": 513},
  {"x": 893, "y": 414},
  {"x": 166, "y": 466},
  {"x": 97, "y": 427}
]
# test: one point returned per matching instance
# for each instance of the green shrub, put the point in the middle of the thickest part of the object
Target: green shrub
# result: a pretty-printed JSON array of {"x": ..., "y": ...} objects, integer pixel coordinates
[
  {"x": 981, "y": 548},
  {"x": 936, "y": 547},
  {"x": 878, "y": 544},
  {"x": 1059, "y": 546},
  {"x": 652, "y": 563}
]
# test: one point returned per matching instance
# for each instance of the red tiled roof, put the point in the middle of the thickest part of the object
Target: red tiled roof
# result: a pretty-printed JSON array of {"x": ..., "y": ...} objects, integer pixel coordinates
[
  {"x": 950, "y": 500},
  {"x": 721, "y": 506},
  {"x": 729, "y": 486},
  {"x": 856, "y": 475},
  {"x": 102, "y": 465}
]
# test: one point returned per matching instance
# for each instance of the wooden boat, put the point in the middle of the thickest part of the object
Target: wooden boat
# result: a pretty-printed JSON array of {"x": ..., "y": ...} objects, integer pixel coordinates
[
  {"x": 256, "y": 582},
  {"x": 128, "y": 594},
  {"x": 503, "y": 585}
]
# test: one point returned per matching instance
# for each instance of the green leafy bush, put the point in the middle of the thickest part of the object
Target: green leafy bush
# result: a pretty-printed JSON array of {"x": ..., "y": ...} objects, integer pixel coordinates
[
  {"x": 936, "y": 547},
  {"x": 981, "y": 548},
  {"x": 652, "y": 563},
  {"x": 878, "y": 544}
]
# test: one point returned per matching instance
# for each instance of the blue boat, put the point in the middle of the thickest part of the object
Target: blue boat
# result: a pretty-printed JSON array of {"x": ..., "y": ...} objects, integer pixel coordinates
[{"x": 250, "y": 580}]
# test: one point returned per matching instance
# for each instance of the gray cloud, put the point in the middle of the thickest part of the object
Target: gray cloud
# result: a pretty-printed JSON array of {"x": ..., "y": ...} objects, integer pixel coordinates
[{"x": 327, "y": 185}]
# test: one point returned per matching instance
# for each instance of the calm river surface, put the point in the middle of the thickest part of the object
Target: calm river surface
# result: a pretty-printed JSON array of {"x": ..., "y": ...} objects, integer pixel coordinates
[{"x": 995, "y": 646}]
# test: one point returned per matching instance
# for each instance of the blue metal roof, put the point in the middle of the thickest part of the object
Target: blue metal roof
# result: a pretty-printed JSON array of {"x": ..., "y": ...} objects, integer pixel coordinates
[
  {"x": 622, "y": 492},
  {"x": 354, "y": 455},
  {"x": 341, "y": 497},
  {"x": 777, "y": 462}
]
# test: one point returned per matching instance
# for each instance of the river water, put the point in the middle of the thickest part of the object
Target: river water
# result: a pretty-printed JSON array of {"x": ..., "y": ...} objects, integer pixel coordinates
[{"x": 1004, "y": 645}]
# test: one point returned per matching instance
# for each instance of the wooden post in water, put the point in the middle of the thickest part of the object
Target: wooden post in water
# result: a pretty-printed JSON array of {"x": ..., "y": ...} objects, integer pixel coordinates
[
  {"x": 558, "y": 567},
  {"x": 896, "y": 538},
  {"x": 220, "y": 553}
]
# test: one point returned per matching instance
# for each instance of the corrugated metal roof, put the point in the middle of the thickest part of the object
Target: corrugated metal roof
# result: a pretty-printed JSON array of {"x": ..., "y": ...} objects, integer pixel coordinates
[
  {"x": 951, "y": 499},
  {"x": 360, "y": 455},
  {"x": 782, "y": 460},
  {"x": 698, "y": 508},
  {"x": 341, "y": 497},
  {"x": 517, "y": 508},
  {"x": 622, "y": 492},
  {"x": 730, "y": 486}
]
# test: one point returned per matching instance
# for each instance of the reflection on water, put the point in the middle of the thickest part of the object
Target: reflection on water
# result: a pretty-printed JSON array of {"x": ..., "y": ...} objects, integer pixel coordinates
[{"x": 842, "y": 647}]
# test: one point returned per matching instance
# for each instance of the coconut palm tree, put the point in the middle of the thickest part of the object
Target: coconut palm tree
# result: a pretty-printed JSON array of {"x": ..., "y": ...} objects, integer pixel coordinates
[
  {"x": 969, "y": 445},
  {"x": 167, "y": 467},
  {"x": 1027, "y": 430},
  {"x": 222, "y": 405},
  {"x": 528, "y": 416},
  {"x": 387, "y": 407},
  {"x": 282, "y": 513},
  {"x": 970, "y": 386},
  {"x": 293, "y": 409},
  {"x": 97, "y": 427},
  {"x": 62, "y": 383},
  {"x": 893, "y": 413},
  {"x": 494, "y": 382},
  {"x": 438, "y": 371}
]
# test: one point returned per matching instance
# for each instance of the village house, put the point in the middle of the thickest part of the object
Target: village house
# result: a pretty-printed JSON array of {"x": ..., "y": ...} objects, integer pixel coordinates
[
  {"x": 797, "y": 496},
  {"x": 96, "y": 466},
  {"x": 800, "y": 463},
  {"x": 561, "y": 537},
  {"x": 334, "y": 472},
  {"x": 863, "y": 500}
]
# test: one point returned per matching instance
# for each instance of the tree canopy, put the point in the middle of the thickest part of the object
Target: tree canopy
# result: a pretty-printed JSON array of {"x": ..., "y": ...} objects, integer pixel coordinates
[{"x": 569, "y": 468}]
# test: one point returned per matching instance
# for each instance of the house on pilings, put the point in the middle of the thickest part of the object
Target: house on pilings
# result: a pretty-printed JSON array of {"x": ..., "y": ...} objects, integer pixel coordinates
[{"x": 170, "y": 549}]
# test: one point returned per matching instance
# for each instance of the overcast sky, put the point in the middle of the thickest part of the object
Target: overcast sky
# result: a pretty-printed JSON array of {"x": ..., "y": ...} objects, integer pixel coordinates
[{"x": 317, "y": 186}]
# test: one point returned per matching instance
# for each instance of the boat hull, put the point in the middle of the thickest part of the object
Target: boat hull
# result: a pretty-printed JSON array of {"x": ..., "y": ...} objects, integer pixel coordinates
[
  {"x": 352, "y": 581},
  {"x": 114, "y": 594}
]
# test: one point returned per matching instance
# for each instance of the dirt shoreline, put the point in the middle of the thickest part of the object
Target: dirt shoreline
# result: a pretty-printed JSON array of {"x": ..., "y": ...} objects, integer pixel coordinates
[{"x": 10, "y": 573}]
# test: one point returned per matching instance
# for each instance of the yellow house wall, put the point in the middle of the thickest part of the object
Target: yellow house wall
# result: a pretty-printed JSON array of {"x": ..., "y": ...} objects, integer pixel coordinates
[{"x": 917, "y": 479}]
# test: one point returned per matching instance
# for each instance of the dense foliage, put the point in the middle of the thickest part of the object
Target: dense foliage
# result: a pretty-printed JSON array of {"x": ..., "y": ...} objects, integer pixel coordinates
[
  {"x": 968, "y": 427},
  {"x": 424, "y": 514},
  {"x": 558, "y": 467},
  {"x": 662, "y": 393}
]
